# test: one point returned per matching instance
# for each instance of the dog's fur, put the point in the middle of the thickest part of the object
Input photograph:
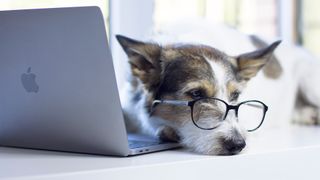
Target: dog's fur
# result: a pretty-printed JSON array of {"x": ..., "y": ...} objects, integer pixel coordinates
[{"x": 188, "y": 71}]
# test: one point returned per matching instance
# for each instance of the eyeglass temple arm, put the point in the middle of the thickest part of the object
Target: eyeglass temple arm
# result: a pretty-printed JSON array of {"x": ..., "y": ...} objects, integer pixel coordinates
[
  {"x": 172, "y": 102},
  {"x": 254, "y": 105}
]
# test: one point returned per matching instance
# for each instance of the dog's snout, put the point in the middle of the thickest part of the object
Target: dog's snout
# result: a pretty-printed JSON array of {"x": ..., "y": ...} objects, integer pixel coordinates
[{"x": 234, "y": 146}]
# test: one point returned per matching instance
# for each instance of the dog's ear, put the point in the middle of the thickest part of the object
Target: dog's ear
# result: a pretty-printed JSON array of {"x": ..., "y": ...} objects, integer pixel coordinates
[
  {"x": 143, "y": 59},
  {"x": 249, "y": 64}
]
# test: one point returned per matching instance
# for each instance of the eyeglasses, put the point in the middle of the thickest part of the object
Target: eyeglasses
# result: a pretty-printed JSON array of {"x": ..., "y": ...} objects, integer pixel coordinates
[{"x": 209, "y": 113}]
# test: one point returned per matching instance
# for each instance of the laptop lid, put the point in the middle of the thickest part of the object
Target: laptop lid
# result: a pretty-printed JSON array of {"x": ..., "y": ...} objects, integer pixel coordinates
[{"x": 58, "y": 88}]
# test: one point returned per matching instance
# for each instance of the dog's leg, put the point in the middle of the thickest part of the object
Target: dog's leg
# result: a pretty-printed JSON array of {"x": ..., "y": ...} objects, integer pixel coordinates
[
  {"x": 167, "y": 133},
  {"x": 306, "y": 115},
  {"x": 304, "y": 112},
  {"x": 308, "y": 99}
]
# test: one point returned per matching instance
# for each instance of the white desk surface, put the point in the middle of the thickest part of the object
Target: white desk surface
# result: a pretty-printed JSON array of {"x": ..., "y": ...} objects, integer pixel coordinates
[{"x": 291, "y": 153}]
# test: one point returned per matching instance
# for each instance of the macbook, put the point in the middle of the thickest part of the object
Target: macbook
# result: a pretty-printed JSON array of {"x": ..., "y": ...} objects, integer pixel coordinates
[{"x": 58, "y": 86}]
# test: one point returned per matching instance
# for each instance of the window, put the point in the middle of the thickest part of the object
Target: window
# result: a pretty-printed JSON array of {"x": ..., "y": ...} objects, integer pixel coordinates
[
  {"x": 249, "y": 16},
  {"x": 295, "y": 21},
  {"x": 308, "y": 25}
]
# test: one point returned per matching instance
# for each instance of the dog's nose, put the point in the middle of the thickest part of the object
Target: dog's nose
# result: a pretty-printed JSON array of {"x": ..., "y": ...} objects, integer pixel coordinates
[{"x": 234, "y": 146}]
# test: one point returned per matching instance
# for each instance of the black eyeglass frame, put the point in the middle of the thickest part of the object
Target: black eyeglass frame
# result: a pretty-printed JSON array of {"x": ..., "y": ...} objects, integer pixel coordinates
[{"x": 228, "y": 107}]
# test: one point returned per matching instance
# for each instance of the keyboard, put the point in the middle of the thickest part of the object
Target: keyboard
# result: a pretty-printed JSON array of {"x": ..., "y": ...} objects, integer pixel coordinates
[{"x": 139, "y": 144}]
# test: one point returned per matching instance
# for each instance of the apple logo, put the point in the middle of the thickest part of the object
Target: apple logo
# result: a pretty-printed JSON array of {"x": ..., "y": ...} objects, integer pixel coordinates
[{"x": 29, "y": 81}]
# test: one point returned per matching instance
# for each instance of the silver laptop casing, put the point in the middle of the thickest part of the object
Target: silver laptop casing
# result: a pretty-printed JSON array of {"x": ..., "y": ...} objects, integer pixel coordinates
[{"x": 74, "y": 103}]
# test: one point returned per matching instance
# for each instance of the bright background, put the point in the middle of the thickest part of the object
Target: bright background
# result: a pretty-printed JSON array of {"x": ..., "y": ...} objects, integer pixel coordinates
[{"x": 296, "y": 21}]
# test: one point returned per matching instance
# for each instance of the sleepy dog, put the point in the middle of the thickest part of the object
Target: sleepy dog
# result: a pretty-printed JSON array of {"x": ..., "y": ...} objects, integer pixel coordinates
[{"x": 167, "y": 77}]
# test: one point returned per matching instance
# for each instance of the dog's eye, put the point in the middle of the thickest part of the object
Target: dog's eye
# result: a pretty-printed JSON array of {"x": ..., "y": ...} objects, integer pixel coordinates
[
  {"x": 234, "y": 96},
  {"x": 195, "y": 93}
]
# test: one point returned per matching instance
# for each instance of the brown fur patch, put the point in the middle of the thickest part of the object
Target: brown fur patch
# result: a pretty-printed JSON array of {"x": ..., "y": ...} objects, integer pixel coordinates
[
  {"x": 205, "y": 85},
  {"x": 232, "y": 87},
  {"x": 180, "y": 66},
  {"x": 192, "y": 51}
]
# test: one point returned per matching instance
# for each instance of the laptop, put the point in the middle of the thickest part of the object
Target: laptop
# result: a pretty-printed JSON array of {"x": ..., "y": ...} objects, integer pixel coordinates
[{"x": 58, "y": 86}]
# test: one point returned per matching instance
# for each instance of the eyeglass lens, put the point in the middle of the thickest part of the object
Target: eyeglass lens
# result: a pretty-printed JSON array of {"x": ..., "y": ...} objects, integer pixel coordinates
[
  {"x": 209, "y": 113},
  {"x": 250, "y": 114}
]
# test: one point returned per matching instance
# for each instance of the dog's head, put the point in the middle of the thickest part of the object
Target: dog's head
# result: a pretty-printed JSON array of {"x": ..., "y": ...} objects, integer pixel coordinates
[{"x": 188, "y": 72}]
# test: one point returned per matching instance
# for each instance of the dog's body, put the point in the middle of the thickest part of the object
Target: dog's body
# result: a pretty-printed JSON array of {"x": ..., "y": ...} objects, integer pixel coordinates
[{"x": 290, "y": 71}]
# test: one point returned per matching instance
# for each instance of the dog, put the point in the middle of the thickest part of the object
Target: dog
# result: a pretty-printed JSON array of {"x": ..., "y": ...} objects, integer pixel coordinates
[{"x": 220, "y": 62}]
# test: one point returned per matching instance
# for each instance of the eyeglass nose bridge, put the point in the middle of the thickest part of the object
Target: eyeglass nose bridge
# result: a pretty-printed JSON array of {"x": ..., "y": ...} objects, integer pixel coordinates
[{"x": 230, "y": 107}]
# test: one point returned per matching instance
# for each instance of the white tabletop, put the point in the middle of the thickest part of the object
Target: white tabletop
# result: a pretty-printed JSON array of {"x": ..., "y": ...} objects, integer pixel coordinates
[{"x": 287, "y": 153}]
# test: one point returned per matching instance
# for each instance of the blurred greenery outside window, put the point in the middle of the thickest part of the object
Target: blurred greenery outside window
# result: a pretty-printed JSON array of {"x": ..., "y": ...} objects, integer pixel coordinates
[
  {"x": 308, "y": 24},
  {"x": 261, "y": 17},
  {"x": 249, "y": 16}
]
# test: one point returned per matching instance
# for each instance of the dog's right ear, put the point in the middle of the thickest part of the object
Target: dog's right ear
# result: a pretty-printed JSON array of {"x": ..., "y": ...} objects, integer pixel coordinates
[
  {"x": 144, "y": 60},
  {"x": 249, "y": 64}
]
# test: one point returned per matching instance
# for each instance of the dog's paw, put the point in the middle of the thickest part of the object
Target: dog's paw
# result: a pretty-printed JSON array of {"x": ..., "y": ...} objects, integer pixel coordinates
[
  {"x": 166, "y": 133},
  {"x": 307, "y": 115}
]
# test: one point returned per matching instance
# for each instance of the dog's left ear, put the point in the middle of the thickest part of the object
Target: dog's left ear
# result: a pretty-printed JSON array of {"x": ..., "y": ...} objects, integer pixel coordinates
[
  {"x": 249, "y": 64},
  {"x": 143, "y": 59}
]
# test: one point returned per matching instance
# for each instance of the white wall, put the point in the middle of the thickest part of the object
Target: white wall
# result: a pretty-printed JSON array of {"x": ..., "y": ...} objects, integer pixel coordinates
[
  {"x": 286, "y": 20},
  {"x": 130, "y": 18}
]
